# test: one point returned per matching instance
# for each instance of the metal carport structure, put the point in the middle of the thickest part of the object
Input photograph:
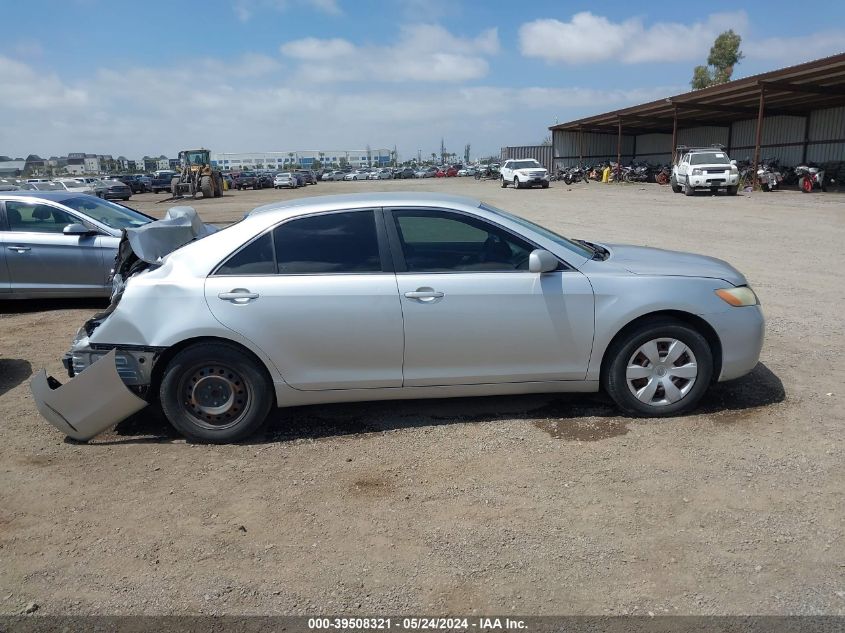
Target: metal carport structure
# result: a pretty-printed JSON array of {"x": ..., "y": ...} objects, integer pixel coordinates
[{"x": 803, "y": 105}]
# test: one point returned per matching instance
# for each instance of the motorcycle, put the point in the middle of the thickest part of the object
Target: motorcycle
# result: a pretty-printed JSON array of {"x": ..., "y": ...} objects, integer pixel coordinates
[
  {"x": 575, "y": 174},
  {"x": 663, "y": 175},
  {"x": 809, "y": 178}
]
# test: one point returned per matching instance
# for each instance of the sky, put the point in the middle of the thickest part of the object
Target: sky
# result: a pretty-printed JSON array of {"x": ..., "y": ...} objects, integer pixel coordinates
[{"x": 132, "y": 78}]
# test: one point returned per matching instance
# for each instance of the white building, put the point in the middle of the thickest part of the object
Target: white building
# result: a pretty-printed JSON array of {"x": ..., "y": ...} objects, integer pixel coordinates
[{"x": 236, "y": 161}]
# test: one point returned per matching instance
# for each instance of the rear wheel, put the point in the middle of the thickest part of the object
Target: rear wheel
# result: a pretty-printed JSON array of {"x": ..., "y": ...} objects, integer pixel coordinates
[
  {"x": 216, "y": 393},
  {"x": 661, "y": 368},
  {"x": 806, "y": 184}
]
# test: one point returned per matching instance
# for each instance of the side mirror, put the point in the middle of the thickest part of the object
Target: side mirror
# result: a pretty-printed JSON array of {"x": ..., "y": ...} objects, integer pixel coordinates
[
  {"x": 78, "y": 229},
  {"x": 541, "y": 261},
  {"x": 733, "y": 161}
]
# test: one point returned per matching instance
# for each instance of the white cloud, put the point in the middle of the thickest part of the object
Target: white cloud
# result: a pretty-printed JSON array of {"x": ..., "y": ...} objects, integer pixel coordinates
[
  {"x": 424, "y": 52},
  {"x": 245, "y": 10},
  {"x": 131, "y": 111},
  {"x": 797, "y": 49},
  {"x": 593, "y": 38}
]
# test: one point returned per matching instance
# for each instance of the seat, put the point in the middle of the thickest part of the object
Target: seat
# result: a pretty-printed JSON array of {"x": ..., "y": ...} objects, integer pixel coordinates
[
  {"x": 15, "y": 220},
  {"x": 496, "y": 250},
  {"x": 42, "y": 213}
]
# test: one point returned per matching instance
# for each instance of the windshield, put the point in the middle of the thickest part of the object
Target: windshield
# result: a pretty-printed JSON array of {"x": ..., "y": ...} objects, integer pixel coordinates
[
  {"x": 47, "y": 186},
  {"x": 568, "y": 244},
  {"x": 526, "y": 164},
  {"x": 709, "y": 158},
  {"x": 112, "y": 215}
]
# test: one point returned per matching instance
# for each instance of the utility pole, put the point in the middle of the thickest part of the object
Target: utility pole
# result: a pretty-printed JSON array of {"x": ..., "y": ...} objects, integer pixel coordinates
[{"x": 442, "y": 151}]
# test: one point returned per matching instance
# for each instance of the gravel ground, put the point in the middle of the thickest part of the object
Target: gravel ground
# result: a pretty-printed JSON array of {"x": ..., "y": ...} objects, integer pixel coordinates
[{"x": 532, "y": 505}]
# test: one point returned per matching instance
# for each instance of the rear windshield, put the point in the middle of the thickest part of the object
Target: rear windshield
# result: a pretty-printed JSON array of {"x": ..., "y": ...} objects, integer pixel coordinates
[{"x": 709, "y": 158}]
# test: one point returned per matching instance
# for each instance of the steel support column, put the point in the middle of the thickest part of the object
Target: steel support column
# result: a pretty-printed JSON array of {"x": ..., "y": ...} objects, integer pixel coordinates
[
  {"x": 580, "y": 146},
  {"x": 674, "y": 134},
  {"x": 619, "y": 151},
  {"x": 759, "y": 136}
]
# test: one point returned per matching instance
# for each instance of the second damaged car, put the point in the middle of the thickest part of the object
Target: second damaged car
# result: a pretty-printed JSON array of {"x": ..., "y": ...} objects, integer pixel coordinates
[{"x": 384, "y": 296}]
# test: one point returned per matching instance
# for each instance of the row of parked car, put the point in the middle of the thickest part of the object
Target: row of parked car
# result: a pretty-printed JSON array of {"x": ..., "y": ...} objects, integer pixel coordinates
[{"x": 107, "y": 188}]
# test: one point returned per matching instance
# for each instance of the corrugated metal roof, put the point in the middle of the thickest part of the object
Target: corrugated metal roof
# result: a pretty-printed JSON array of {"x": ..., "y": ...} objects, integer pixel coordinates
[{"x": 792, "y": 91}]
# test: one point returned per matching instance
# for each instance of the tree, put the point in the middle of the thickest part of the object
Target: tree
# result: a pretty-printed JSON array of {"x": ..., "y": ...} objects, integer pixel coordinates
[
  {"x": 547, "y": 140},
  {"x": 724, "y": 55}
]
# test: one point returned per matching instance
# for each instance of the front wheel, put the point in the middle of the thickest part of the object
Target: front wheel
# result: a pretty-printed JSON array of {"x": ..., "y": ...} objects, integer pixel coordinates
[
  {"x": 661, "y": 368},
  {"x": 504, "y": 182},
  {"x": 215, "y": 393},
  {"x": 806, "y": 184},
  {"x": 732, "y": 190},
  {"x": 516, "y": 184}
]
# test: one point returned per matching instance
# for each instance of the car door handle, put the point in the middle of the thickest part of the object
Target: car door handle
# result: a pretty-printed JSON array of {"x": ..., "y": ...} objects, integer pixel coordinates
[
  {"x": 238, "y": 295},
  {"x": 424, "y": 294},
  {"x": 19, "y": 249}
]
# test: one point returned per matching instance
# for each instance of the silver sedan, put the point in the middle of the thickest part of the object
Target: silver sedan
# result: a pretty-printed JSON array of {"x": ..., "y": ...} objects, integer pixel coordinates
[
  {"x": 59, "y": 244},
  {"x": 382, "y": 296}
]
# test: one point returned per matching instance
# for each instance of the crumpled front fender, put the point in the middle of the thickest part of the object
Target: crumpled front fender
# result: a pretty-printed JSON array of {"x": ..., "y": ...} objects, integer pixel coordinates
[{"x": 90, "y": 403}]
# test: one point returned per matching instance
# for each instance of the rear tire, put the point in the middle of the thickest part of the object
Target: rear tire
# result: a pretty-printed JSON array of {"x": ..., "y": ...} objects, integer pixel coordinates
[
  {"x": 215, "y": 393},
  {"x": 676, "y": 188},
  {"x": 615, "y": 377}
]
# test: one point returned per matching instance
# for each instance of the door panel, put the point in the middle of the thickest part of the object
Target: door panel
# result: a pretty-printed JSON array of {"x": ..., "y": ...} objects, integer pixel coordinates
[
  {"x": 322, "y": 331},
  {"x": 41, "y": 259},
  {"x": 314, "y": 295},
  {"x": 496, "y": 327}
]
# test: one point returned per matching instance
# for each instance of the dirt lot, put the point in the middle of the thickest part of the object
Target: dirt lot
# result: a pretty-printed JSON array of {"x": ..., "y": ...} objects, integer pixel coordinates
[{"x": 533, "y": 505}]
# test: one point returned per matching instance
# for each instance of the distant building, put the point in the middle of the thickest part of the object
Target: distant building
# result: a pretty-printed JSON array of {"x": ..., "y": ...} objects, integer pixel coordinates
[
  {"x": 11, "y": 167},
  {"x": 306, "y": 158}
]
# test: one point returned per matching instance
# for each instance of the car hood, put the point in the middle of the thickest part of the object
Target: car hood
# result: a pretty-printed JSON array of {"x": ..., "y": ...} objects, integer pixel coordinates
[{"x": 643, "y": 260}]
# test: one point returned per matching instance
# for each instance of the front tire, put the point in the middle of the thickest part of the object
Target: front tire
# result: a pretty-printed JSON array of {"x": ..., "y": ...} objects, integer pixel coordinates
[
  {"x": 215, "y": 393},
  {"x": 504, "y": 183},
  {"x": 688, "y": 191},
  {"x": 516, "y": 184},
  {"x": 661, "y": 368},
  {"x": 731, "y": 191}
]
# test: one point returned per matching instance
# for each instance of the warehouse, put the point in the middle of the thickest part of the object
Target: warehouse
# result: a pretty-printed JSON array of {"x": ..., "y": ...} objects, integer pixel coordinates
[{"x": 795, "y": 115}]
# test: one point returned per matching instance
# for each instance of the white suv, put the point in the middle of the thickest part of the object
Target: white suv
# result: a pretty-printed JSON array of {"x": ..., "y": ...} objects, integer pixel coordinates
[
  {"x": 704, "y": 168},
  {"x": 524, "y": 172}
]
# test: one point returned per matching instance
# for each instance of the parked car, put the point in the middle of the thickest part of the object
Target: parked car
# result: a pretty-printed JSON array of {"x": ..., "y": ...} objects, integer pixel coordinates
[
  {"x": 247, "y": 180},
  {"x": 133, "y": 182},
  {"x": 60, "y": 244},
  {"x": 285, "y": 179},
  {"x": 74, "y": 186},
  {"x": 525, "y": 172},
  {"x": 116, "y": 190},
  {"x": 46, "y": 185},
  {"x": 162, "y": 181},
  {"x": 202, "y": 335},
  {"x": 265, "y": 180},
  {"x": 356, "y": 175},
  {"x": 704, "y": 168},
  {"x": 308, "y": 176},
  {"x": 404, "y": 172},
  {"x": 466, "y": 171},
  {"x": 426, "y": 172},
  {"x": 380, "y": 174}
]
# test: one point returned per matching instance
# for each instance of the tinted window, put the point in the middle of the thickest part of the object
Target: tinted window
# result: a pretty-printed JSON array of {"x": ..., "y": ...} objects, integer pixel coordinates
[
  {"x": 330, "y": 243},
  {"x": 36, "y": 218},
  {"x": 256, "y": 258},
  {"x": 440, "y": 241}
]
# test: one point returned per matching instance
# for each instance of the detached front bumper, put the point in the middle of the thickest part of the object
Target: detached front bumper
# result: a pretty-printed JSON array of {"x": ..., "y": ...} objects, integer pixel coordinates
[{"x": 90, "y": 403}]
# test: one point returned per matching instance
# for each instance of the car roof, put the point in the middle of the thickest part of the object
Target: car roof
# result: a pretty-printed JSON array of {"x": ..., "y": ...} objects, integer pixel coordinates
[
  {"x": 55, "y": 196},
  {"x": 359, "y": 200}
]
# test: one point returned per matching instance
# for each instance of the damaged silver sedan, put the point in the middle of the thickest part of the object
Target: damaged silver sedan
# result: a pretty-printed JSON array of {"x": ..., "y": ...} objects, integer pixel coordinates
[{"x": 384, "y": 296}]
